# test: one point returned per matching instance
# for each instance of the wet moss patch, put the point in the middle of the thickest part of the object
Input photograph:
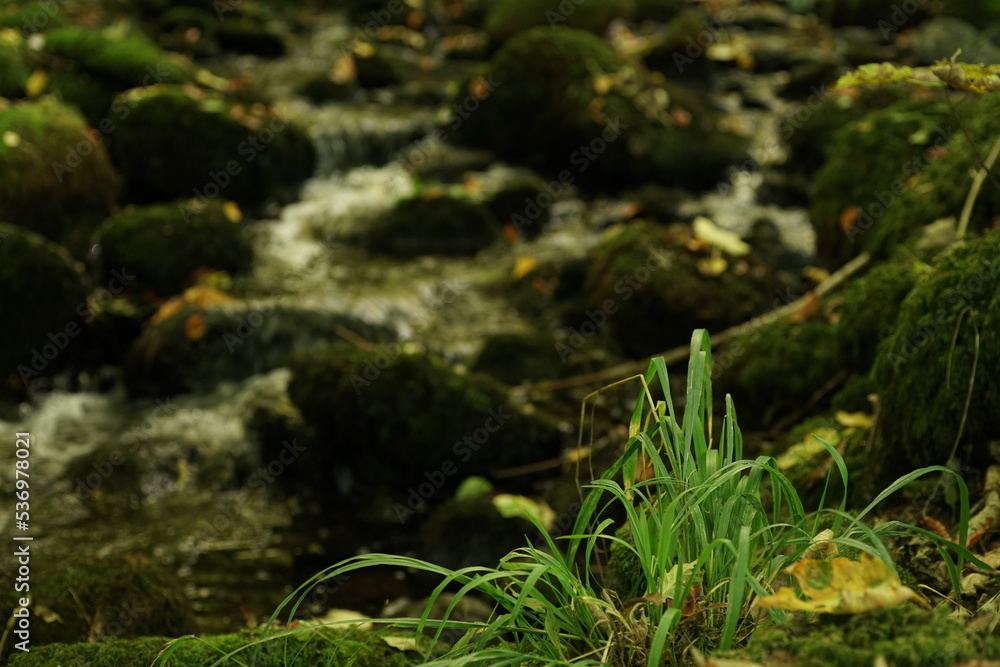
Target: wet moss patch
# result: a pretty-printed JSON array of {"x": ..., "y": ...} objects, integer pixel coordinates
[{"x": 437, "y": 225}]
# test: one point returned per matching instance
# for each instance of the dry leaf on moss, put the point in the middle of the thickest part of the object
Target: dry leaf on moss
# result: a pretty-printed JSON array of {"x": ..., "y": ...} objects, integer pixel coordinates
[{"x": 842, "y": 586}]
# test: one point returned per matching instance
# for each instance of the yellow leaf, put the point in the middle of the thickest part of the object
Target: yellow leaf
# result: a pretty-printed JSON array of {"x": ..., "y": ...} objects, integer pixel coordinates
[
  {"x": 11, "y": 139},
  {"x": 36, "y": 83},
  {"x": 524, "y": 265},
  {"x": 232, "y": 211},
  {"x": 821, "y": 546},
  {"x": 855, "y": 419},
  {"x": 712, "y": 266},
  {"x": 400, "y": 643},
  {"x": 510, "y": 506},
  {"x": 842, "y": 586},
  {"x": 729, "y": 242}
]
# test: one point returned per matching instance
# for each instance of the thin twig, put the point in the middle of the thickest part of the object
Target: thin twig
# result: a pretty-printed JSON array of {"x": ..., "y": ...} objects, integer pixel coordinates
[
  {"x": 977, "y": 184},
  {"x": 677, "y": 354}
]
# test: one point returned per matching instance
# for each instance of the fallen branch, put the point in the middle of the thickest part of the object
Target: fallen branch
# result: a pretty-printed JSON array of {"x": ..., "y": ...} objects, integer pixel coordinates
[{"x": 680, "y": 353}]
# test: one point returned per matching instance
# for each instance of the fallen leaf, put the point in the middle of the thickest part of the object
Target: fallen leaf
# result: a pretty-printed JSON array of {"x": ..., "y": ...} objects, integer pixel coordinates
[
  {"x": 848, "y": 217},
  {"x": 807, "y": 309},
  {"x": 842, "y": 586},
  {"x": 712, "y": 266},
  {"x": 510, "y": 506},
  {"x": 727, "y": 241},
  {"x": 682, "y": 117},
  {"x": 11, "y": 139},
  {"x": 400, "y": 643},
  {"x": 36, "y": 83},
  {"x": 821, "y": 545},
  {"x": 523, "y": 265},
  {"x": 195, "y": 327},
  {"x": 874, "y": 73},
  {"x": 855, "y": 419},
  {"x": 232, "y": 211}
]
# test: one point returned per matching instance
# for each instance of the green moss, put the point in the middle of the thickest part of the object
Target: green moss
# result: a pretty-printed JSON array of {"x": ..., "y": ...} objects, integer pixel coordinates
[
  {"x": 506, "y": 18},
  {"x": 543, "y": 111},
  {"x": 164, "y": 244},
  {"x": 412, "y": 409},
  {"x": 517, "y": 358},
  {"x": 943, "y": 185},
  {"x": 171, "y": 145},
  {"x": 905, "y": 636},
  {"x": 893, "y": 142},
  {"x": 868, "y": 308},
  {"x": 111, "y": 597},
  {"x": 53, "y": 178},
  {"x": 624, "y": 567},
  {"x": 306, "y": 648},
  {"x": 440, "y": 225},
  {"x": 13, "y": 67},
  {"x": 924, "y": 378},
  {"x": 40, "y": 291},
  {"x": 670, "y": 55},
  {"x": 649, "y": 287},
  {"x": 31, "y": 17}
]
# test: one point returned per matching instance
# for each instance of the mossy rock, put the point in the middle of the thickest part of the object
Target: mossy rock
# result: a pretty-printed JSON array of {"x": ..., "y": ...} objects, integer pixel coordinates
[
  {"x": 517, "y": 201},
  {"x": 13, "y": 65},
  {"x": 432, "y": 226},
  {"x": 517, "y": 358},
  {"x": 782, "y": 365},
  {"x": 416, "y": 411},
  {"x": 652, "y": 289},
  {"x": 176, "y": 143},
  {"x": 897, "y": 143},
  {"x": 88, "y": 67},
  {"x": 884, "y": 14},
  {"x": 540, "y": 110},
  {"x": 197, "y": 347},
  {"x": 305, "y": 648},
  {"x": 948, "y": 325},
  {"x": 164, "y": 244},
  {"x": 506, "y": 18},
  {"x": 115, "y": 597},
  {"x": 942, "y": 187},
  {"x": 54, "y": 179},
  {"x": 905, "y": 636},
  {"x": 42, "y": 293},
  {"x": 32, "y": 17}
]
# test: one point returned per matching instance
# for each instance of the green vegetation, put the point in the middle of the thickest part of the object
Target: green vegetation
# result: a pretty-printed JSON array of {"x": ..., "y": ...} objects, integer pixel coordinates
[
  {"x": 13, "y": 66},
  {"x": 164, "y": 244},
  {"x": 55, "y": 179},
  {"x": 709, "y": 532}
]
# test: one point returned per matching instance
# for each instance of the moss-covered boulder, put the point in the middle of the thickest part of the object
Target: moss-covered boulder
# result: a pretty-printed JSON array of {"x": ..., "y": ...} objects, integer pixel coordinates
[
  {"x": 654, "y": 290},
  {"x": 888, "y": 15},
  {"x": 506, "y": 18},
  {"x": 563, "y": 100},
  {"x": 55, "y": 178},
  {"x": 42, "y": 293},
  {"x": 199, "y": 340},
  {"x": 517, "y": 358},
  {"x": 417, "y": 412},
  {"x": 848, "y": 195},
  {"x": 524, "y": 203},
  {"x": 488, "y": 536},
  {"x": 680, "y": 51},
  {"x": 905, "y": 635},
  {"x": 89, "y": 67},
  {"x": 938, "y": 372},
  {"x": 115, "y": 597},
  {"x": 164, "y": 244},
  {"x": 784, "y": 364},
  {"x": 439, "y": 225},
  {"x": 305, "y": 648},
  {"x": 179, "y": 142},
  {"x": 13, "y": 65},
  {"x": 941, "y": 186}
]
